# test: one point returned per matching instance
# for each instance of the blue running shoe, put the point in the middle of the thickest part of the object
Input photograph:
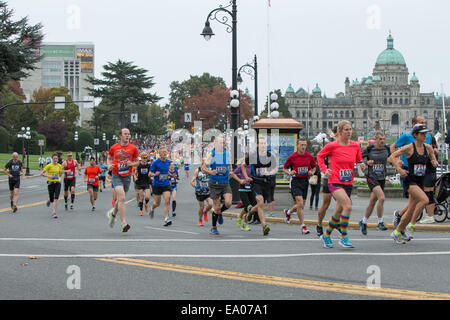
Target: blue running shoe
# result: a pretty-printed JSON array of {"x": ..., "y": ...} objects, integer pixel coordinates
[
  {"x": 214, "y": 231},
  {"x": 220, "y": 220},
  {"x": 345, "y": 242},
  {"x": 327, "y": 243}
]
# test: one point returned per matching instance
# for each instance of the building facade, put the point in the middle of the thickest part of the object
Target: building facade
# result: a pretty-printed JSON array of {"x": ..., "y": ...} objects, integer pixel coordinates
[
  {"x": 385, "y": 101},
  {"x": 68, "y": 65}
]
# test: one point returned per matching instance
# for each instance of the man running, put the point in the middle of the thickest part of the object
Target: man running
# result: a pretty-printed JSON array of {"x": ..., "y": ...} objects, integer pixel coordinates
[
  {"x": 303, "y": 166},
  {"x": 173, "y": 177},
  {"x": 69, "y": 166},
  {"x": 53, "y": 172},
  {"x": 218, "y": 166},
  {"x": 122, "y": 157},
  {"x": 263, "y": 164},
  {"x": 161, "y": 184},
  {"x": 200, "y": 181},
  {"x": 102, "y": 165},
  {"x": 376, "y": 155},
  {"x": 14, "y": 170},
  {"x": 91, "y": 178},
  {"x": 142, "y": 183}
]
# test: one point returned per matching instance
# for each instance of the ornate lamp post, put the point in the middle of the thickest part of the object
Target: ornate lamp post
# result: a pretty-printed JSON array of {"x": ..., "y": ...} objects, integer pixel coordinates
[{"x": 247, "y": 69}]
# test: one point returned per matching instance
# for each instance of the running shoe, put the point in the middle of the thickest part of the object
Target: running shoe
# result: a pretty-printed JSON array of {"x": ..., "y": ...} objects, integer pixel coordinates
[
  {"x": 14, "y": 209},
  {"x": 146, "y": 207},
  {"x": 48, "y": 203},
  {"x": 381, "y": 227},
  {"x": 141, "y": 213},
  {"x": 93, "y": 209},
  {"x": 245, "y": 227},
  {"x": 319, "y": 230},
  {"x": 167, "y": 223},
  {"x": 287, "y": 216},
  {"x": 239, "y": 205},
  {"x": 125, "y": 227},
  {"x": 214, "y": 231},
  {"x": 151, "y": 214},
  {"x": 220, "y": 220},
  {"x": 345, "y": 242},
  {"x": 396, "y": 218},
  {"x": 327, "y": 243},
  {"x": 267, "y": 214},
  {"x": 174, "y": 214},
  {"x": 427, "y": 220},
  {"x": 239, "y": 222},
  {"x": 200, "y": 223},
  {"x": 54, "y": 216},
  {"x": 271, "y": 214},
  {"x": 363, "y": 227},
  {"x": 411, "y": 228},
  {"x": 397, "y": 238},
  {"x": 111, "y": 217},
  {"x": 205, "y": 216},
  {"x": 305, "y": 230},
  {"x": 406, "y": 236},
  {"x": 266, "y": 230}
]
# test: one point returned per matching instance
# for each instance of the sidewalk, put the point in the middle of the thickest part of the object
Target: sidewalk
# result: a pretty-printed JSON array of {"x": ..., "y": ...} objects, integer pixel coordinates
[
  {"x": 33, "y": 174},
  {"x": 283, "y": 200}
]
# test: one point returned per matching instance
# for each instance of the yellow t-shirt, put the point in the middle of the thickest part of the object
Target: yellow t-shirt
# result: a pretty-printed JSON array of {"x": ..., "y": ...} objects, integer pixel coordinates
[{"x": 53, "y": 172}]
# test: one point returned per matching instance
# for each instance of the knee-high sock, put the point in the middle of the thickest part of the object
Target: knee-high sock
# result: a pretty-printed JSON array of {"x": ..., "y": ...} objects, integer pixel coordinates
[
  {"x": 224, "y": 207},
  {"x": 332, "y": 224},
  {"x": 344, "y": 225},
  {"x": 72, "y": 197},
  {"x": 215, "y": 217},
  {"x": 65, "y": 199},
  {"x": 174, "y": 205}
]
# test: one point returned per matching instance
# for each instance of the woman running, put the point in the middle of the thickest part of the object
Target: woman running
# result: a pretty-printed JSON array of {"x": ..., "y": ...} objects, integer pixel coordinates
[
  {"x": 343, "y": 155},
  {"x": 200, "y": 181},
  {"x": 418, "y": 154},
  {"x": 53, "y": 172},
  {"x": 173, "y": 177}
]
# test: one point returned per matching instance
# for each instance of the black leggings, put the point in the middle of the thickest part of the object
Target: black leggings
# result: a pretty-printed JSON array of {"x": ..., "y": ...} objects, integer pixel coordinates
[
  {"x": 315, "y": 191},
  {"x": 247, "y": 198},
  {"x": 54, "y": 188}
]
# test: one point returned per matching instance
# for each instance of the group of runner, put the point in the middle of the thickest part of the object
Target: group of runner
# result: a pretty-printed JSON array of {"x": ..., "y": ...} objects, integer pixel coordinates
[{"x": 254, "y": 173}]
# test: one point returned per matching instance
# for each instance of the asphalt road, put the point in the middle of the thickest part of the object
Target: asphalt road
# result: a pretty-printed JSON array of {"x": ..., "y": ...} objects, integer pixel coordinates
[{"x": 77, "y": 256}]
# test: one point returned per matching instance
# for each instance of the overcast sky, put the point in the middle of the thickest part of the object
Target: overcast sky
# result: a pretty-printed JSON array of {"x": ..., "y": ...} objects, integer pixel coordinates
[{"x": 302, "y": 42}]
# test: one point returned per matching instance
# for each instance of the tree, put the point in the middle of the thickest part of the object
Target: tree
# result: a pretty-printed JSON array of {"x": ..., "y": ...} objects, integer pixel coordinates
[
  {"x": 19, "y": 43},
  {"x": 155, "y": 120},
  {"x": 123, "y": 84},
  {"x": 180, "y": 91},
  {"x": 283, "y": 109},
  {"x": 55, "y": 132}
]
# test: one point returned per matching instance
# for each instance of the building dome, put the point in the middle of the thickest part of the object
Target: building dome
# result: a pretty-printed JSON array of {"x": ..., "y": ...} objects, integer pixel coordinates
[
  {"x": 414, "y": 78},
  {"x": 290, "y": 89},
  {"x": 376, "y": 78},
  {"x": 390, "y": 55},
  {"x": 317, "y": 89}
]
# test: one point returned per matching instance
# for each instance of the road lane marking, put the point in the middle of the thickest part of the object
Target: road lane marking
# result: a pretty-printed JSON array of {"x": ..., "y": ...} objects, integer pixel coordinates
[
  {"x": 171, "y": 230},
  {"x": 286, "y": 282}
]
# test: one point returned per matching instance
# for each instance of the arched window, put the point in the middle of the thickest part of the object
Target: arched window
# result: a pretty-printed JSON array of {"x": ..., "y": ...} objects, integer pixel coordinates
[
  {"x": 395, "y": 101},
  {"x": 353, "y": 114},
  {"x": 395, "y": 120},
  {"x": 303, "y": 114},
  {"x": 347, "y": 114},
  {"x": 428, "y": 100},
  {"x": 401, "y": 100},
  {"x": 342, "y": 114},
  {"x": 385, "y": 101},
  {"x": 330, "y": 114},
  {"x": 390, "y": 100},
  {"x": 324, "y": 114},
  {"x": 297, "y": 113},
  {"x": 365, "y": 114},
  {"x": 336, "y": 114},
  {"x": 406, "y": 101}
]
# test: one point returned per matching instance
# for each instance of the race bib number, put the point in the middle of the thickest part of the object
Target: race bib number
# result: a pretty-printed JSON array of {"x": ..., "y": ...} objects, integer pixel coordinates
[
  {"x": 123, "y": 168},
  {"x": 91, "y": 180},
  {"x": 247, "y": 187},
  {"x": 221, "y": 170},
  {"x": 345, "y": 175},
  {"x": 261, "y": 172},
  {"x": 163, "y": 177},
  {"x": 203, "y": 184},
  {"x": 144, "y": 171},
  {"x": 302, "y": 171},
  {"x": 70, "y": 174},
  {"x": 55, "y": 176},
  {"x": 378, "y": 168},
  {"x": 419, "y": 170}
]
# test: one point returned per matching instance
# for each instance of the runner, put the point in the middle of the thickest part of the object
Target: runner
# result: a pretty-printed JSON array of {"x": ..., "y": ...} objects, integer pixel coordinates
[
  {"x": 406, "y": 139},
  {"x": 69, "y": 166},
  {"x": 91, "y": 178},
  {"x": 102, "y": 178},
  {"x": 303, "y": 166},
  {"x": 173, "y": 177},
  {"x": 429, "y": 182},
  {"x": 218, "y": 166},
  {"x": 142, "y": 183},
  {"x": 344, "y": 154},
  {"x": 41, "y": 162},
  {"x": 53, "y": 172},
  {"x": 263, "y": 164},
  {"x": 114, "y": 195},
  {"x": 245, "y": 194},
  {"x": 418, "y": 156},
  {"x": 161, "y": 184},
  {"x": 200, "y": 182},
  {"x": 315, "y": 182},
  {"x": 186, "y": 169},
  {"x": 14, "y": 170},
  {"x": 122, "y": 157},
  {"x": 376, "y": 155}
]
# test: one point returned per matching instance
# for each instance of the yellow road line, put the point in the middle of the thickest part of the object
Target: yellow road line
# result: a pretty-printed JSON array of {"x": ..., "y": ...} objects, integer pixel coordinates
[{"x": 287, "y": 282}]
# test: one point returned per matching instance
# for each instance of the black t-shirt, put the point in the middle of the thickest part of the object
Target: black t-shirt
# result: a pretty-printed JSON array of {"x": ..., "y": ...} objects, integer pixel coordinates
[
  {"x": 14, "y": 168},
  {"x": 142, "y": 171},
  {"x": 261, "y": 166}
]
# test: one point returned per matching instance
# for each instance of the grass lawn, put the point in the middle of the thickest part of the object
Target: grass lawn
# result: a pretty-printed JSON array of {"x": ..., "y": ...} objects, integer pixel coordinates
[{"x": 34, "y": 160}]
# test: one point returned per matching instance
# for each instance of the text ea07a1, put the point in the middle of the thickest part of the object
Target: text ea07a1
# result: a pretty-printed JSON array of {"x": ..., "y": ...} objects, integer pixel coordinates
[{"x": 245, "y": 309}]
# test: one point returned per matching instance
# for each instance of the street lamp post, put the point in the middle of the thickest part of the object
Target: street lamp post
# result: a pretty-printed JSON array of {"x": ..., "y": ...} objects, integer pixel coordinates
[
  {"x": 274, "y": 106},
  {"x": 254, "y": 76},
  {"x": 76, "y": 144},
  {"x": 104, "y": 140},
  {"x": 25, "y": 134}
]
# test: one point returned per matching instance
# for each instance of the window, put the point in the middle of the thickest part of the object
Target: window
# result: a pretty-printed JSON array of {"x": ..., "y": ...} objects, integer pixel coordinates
[
  {"x": 324, "y": 114},
  {"x": 401, "y": 100},
  {"x": 390, "y": 100},
  {"x": 395, "y": 101},
  {"x": 377, "y": 114},
  {"x": 51, "y": 66},
  {"x": 342, "y": 114},
  {"x": 51, "y": 81},
  {"x": 347, "y": 114},
  {"x": 297, "y": 114},
  {"x": 395, "y": 120},
  {"x": 428, "y": 100},
  {"x": 353, "y": 114},
  {"x": 385, "y": 101},
  {"x": 330, "y": 114},
  {"x": 365, "y": 114},
  {"x": 336, "y": 114},
  {"x": 303, "y": 114},
  {"x": 324, "y": 125}
]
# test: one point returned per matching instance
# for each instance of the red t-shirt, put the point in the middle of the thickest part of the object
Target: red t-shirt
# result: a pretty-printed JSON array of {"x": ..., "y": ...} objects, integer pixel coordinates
[
  {"x": 301, "y": 164},
  {"x": 342, "y": 161},
  {"x": 122, "y": 154},
  {"x": 92, "y": 174}
]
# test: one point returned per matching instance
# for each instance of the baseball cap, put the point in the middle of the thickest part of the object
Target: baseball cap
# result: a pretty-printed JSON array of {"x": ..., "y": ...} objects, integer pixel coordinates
[{"x": 420, "y": 128}]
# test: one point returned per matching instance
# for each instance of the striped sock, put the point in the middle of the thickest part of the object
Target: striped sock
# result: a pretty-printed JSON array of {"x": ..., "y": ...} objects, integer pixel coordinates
[
  {"x": 344, "y": 225},
  {"x": 332, "y": 224}
]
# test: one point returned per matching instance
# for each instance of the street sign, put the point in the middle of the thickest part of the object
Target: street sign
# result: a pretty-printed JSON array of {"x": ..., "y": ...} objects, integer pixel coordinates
[
  {"x": 60, "y": 106},
  {"x": 134, "y": 118},
  {"x": 96, "y": 142},
  {"x": 188, "y": 117},
  {"x": 40, "y": 143}
]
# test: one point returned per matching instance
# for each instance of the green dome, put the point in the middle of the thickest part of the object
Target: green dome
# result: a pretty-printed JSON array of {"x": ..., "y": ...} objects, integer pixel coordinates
[
  {"x": 414, "y": 78},
  {"x": 376, "y": 78},
  {"x": 368, "y": 80},
  {"x": 390, "y": 55},
  {"x": 290, "y": 89},
  {"x": 317, "y": 89}
]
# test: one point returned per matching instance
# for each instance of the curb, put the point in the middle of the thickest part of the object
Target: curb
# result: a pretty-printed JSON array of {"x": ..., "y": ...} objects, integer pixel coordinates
[
  {"x": 22, "y": 178},
  {"x": 352, "y": 225}
]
